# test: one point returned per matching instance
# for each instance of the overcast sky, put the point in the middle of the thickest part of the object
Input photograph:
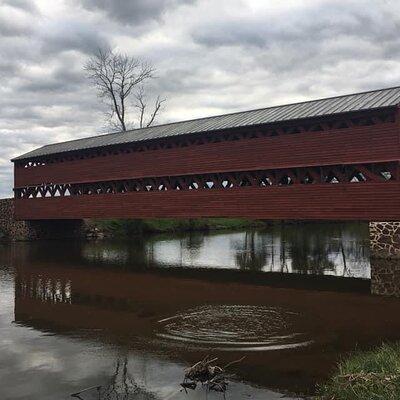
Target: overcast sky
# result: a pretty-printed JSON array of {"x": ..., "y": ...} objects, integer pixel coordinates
[{"x": 211, "y": 57}]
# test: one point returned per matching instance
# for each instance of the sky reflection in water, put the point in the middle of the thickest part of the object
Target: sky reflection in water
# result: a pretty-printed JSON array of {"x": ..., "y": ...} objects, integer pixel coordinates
[{"x": 328, "y": 249}]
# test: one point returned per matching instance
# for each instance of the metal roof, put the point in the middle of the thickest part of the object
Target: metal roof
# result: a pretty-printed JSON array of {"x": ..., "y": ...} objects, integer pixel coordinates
[{"x": 375, "y": 99}]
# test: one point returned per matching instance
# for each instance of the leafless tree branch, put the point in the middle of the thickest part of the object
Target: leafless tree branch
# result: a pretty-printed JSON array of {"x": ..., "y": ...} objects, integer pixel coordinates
[
  {"x": 141, "y": 105},
  {"x": 157, "y": 107},
  {"x": 118, "y": 79}
]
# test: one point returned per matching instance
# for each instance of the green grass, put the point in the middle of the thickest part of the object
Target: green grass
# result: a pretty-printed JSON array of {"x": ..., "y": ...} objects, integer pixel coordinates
[
  {"x": 372, "y": 375},
  {"x": 138, "y": 226}
]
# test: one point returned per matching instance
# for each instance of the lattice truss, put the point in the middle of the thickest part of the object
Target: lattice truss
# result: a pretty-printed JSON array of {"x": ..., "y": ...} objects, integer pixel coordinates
[
  {"x": 337, "y": 174},
  {"x": 255, "y": 132}
]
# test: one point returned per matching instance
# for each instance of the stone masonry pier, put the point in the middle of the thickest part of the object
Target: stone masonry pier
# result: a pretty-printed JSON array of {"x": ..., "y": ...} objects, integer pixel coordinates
[
  {"x": 385, "y": 239},
  {"x": 385, "y": 258},
  {"x": 385, "y": 276},
  {"x": 13, "y": 230}
]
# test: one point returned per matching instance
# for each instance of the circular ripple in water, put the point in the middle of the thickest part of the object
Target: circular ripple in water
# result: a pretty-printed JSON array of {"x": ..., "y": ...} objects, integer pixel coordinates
[{"x": 234, "y": 327}]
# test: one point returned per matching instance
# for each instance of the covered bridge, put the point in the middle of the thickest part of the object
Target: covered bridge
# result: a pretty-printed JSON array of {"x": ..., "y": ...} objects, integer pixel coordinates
[{"x": 330, "y": 159}]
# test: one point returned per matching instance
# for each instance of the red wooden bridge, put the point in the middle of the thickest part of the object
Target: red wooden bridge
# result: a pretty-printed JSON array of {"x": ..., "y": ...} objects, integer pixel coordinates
[{"x": 329, "y": 159}]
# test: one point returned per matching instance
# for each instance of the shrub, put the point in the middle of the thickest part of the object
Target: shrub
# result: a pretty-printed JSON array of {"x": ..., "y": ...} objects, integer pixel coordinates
[{"x": 128, "y": 227}]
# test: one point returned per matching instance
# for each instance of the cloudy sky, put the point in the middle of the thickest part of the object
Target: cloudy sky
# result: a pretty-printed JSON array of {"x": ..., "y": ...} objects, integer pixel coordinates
[{"x": 211, "y": 57}]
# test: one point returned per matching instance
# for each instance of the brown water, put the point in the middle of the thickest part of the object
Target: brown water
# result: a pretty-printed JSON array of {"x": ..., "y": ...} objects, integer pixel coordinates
[{"x": 129, "y": 316}]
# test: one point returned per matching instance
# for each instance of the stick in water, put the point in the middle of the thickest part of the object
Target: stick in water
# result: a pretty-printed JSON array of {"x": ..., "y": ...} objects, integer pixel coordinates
[{"x": 85, "y": 390}]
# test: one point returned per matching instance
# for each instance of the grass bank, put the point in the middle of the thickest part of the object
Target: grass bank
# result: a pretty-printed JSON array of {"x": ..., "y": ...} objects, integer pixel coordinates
[
  {"x": 372, "y": 375},
  {"x": 130, "y": 227}
]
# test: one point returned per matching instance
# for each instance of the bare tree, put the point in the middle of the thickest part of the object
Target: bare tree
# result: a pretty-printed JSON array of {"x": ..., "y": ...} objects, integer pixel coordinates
[{"x": 120, "y": 81}]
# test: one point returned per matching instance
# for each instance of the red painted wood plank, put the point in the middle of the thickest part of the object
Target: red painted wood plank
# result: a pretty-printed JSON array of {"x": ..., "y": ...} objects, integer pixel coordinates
[
  {"x": 352, "y": 201},
  {"x": 352, "y": 145}
]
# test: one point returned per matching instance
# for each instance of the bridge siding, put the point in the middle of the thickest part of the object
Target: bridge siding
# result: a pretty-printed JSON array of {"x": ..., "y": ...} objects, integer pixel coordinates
[
  {"x": 342, "y": 146},
  {"x": 352, "y": 201}
]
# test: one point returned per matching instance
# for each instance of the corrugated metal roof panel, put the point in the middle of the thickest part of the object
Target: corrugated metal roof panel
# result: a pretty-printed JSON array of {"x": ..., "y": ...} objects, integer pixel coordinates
[{"x": 316, "y": 108}]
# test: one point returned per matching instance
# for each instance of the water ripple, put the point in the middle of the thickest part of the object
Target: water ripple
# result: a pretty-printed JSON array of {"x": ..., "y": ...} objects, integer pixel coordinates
[{"x": 234, "y": 327}]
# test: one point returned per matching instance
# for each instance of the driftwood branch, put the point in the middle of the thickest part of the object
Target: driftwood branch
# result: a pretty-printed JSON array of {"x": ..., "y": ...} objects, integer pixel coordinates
[
  {"x": 211, "y": 376},
  {"x": 78, "y": 394}
]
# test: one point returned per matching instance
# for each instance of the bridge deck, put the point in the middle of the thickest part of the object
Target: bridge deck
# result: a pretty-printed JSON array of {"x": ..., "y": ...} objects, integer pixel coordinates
[{"x": 362, "y": 201}]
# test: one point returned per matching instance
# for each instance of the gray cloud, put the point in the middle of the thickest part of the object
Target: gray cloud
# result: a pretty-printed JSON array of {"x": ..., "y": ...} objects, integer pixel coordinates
[
  {"x": 325, "y": 19},
  {"x": 26, "y": 5},
  {"x": 9, "y": 28},
  {"x": 14, "y": 21},
  {"x": 328, "y": 32},
  {"x": 72, "y": 35},
  {"x": 136, "y": 12}
]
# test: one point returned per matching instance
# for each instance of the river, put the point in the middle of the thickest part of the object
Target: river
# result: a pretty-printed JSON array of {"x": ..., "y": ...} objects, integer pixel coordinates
[{"x": 124, "y": 318}]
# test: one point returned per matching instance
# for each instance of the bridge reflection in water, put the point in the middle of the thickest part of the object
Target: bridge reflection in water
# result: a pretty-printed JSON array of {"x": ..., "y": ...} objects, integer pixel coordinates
[{"x": 141, "y": 310}]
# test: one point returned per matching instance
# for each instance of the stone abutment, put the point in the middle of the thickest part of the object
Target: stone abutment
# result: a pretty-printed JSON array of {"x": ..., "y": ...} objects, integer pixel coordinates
[{"x": 12, "y": 230}]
